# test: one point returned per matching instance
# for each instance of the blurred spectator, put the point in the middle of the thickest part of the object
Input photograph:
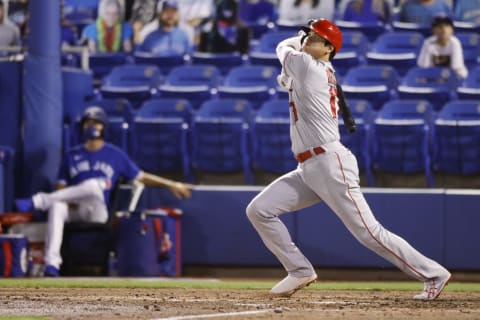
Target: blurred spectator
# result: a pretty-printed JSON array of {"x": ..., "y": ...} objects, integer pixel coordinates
[
  {"x": 368, "y": 11},
  {"x": 422, "y": 11},
  {"x": 142, "y": 12},
  {"x": 168, "y": 39},
  {"x": 194, "y": 14},
  {"x": 109, "y": 33},
  {"x": 443, "y": 49},
  {"x": 68, "y": 28},
  {"x": 18, "y": 15},
  {"x": 468, "y": 11},
  {"x": 227, "y": 34},
  {"x": 9, "y": 32},
  {"x": 298, "y": 12}
]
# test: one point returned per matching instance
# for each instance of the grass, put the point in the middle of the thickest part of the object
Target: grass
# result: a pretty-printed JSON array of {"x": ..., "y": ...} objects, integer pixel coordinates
[{"x": 215, "y": 284}]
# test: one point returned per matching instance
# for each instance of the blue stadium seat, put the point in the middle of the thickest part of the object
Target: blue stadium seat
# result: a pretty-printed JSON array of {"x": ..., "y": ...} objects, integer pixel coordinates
[
  {"x": 102, "y": 63},
  {"x": 359, "y": 142},
  {"x": 376, "y": 84},
  {"x": 354, "y": 47},
  {"x": 471, "y": 47},
  {"x": 220, "y": 137},
  {"x": 456, "y": 138},
  {"x": 192, "y": 82},
  {"x": 370, "y": 29},
  {"x": 470, "y": 87},
  {"x": 136, "y": 83},
  {"x": 435, "y": 84},
  {"x": 397, "y": 49},
  {"x": 401, "y": 138},
  {"x": 271, "y": 145},
  {"x": 255, "y": 83},
  {"x": 6, "y": 179},
  {"x": 264, "y": 52},
  {"x": 223, "y": 61},
  {"x": 399, "y": 26},
  {"x": 258, "y": 15},
  {"x": 159, "y": 136},
  {"x": 463, "y": 26},
  {"x": 77, "y": 89},
  {"x": 164, "y": 63}
]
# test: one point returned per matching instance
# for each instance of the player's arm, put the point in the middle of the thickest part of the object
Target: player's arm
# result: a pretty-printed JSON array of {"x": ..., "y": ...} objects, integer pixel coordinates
[
  {"x": 294, "y": 62},
  {"x": 179, "y": 189}
]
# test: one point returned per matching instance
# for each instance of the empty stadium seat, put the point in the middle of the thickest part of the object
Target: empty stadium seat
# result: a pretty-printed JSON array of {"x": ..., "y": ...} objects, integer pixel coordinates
[
  {"x": 271, "y": 145},
  {"x": 255, "y": 83},
  {"x": 102, "y": 63},
  {"x": 370, "y": 29},
  {"x": 397, "y": 49},
  {"x": 470, "y": 44},
  {"x": 376, "y": 84},
  {"x": 456, "y": 138},
  {"x": 359, "y": 141},
  {"x": 435, "y": 84},
  {"x": 264, "y": 52},
  {"x": 77, "y": 89},
  {"x": 159, "y": 136},
  {"x": 136, "y": 83},
  {"x": 220, "y": 137},
  {"x": 354, "y": 47},
  {"x": 258, "y": 15},
  {"x": 195, "y": 83},
  {"x": 470, "y": 87},
  {"x": 399, "y": 26},
  {"x": 164, "y": 63},
  {"x": 401, "y": 138},
  {"x": 223, "y": 61}
]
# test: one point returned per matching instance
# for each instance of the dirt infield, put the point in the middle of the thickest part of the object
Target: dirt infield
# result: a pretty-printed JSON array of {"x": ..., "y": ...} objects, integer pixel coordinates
[{"x": 95, "y": 303}]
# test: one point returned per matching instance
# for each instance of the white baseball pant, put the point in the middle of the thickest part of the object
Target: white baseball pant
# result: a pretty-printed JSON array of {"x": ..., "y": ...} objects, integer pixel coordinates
[
  {"x": 332, "y": 177},
  {"x": 87, "y": 204}
]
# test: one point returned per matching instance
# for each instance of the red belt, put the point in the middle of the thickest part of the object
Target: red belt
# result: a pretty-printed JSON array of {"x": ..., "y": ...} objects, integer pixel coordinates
[{"x": 304, "y": 156}]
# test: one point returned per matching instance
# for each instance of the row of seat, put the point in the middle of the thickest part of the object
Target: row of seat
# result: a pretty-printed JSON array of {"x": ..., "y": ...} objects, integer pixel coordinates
[
  {"x": 257, "y": 84},
  {"x": 228, "y": 135}
]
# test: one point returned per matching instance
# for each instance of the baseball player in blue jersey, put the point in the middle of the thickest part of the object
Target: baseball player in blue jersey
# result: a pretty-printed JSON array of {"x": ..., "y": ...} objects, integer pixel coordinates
[
  {"x": 85, "y": 180},
  {"x": 327, "y": 171}
]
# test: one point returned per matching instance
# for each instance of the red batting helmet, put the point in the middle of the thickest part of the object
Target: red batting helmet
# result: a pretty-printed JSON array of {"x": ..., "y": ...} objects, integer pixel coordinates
[{"x": 329, "y": 31}]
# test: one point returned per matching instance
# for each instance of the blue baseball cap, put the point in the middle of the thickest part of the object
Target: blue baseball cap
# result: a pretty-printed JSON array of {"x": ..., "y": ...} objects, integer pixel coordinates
[{"x": 164, "y": 4}]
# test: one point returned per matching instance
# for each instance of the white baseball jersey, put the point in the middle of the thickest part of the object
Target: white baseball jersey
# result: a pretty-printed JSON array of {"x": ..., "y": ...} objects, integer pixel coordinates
[
  {"x": 313, "y": 98},
  {"x": 451, "y": 55}
]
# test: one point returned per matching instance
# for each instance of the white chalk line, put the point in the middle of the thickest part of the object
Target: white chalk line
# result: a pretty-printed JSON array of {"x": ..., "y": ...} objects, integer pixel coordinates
[{"x": 215, "y": 315}]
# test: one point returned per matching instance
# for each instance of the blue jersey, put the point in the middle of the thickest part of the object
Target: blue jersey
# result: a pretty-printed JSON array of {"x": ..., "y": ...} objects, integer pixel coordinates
[
  {"x": 109, "y": 163},
  {"x": 416, "y": 12},
  {"x": 163, "y": 43}
]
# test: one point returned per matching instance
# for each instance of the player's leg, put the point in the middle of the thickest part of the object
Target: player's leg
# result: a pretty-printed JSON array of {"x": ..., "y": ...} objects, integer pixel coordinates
[
  {"x": 342, "y": 194},
  {"x": 91, "y": 188},
  {"x": 57, "y": 216},
  {"x": 286, "y": 194}
]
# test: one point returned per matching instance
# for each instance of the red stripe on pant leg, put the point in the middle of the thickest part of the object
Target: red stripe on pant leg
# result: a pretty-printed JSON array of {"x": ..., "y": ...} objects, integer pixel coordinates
[{"x": 359, "y": 212}]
